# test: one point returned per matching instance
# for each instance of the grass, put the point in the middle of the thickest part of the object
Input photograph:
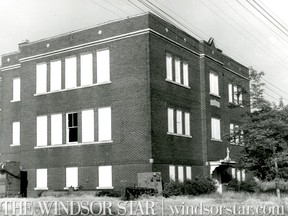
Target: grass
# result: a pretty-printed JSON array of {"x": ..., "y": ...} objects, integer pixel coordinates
[{"x": 172, "y": 205}]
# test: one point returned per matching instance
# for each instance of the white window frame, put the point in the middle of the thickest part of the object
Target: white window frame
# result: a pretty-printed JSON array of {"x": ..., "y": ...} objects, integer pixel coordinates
[
  {"x": 215, "y": 129},
  {"x": 41, "y": 128},
  {"x": 70, "y": 72},
  {"x": 41, "y": 78},
  {"x": 179, "y": 122},
  {"x": 41, "y": 179},
  {"x": 235, "y": 94},
  {"x": 187, "y": 123},
  {"x": 56, "y": 75},
  {"x": 16, "y": 133},
  {"x": 172, "y": 172},
  {"x": 170, "y": 120},
  {"x": 214, "y": 83},
  {"x": 86, "y": 69},
  {"x": 103, "y": 65},
  {"x": 71, "y": 127},
  {"x": 87, "y": 125},
  {"x": 188, "y": 172},
  {"x": 169, "y": 70},
  {"x": 177, "y": 66},
  {"x": 185, "y": 74},
  {"x": 56, "y": 129},
  {"x": 180, "y": 173},
  {"x": 71, "y": 177},
  {"x": 104, "y": 124},
  {"x": 105, "y": 177},
  {"x": 16, "y": 89}
]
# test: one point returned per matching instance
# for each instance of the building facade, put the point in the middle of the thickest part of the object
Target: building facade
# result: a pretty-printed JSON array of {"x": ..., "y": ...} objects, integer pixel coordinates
[{"x": 92, "y": 108}]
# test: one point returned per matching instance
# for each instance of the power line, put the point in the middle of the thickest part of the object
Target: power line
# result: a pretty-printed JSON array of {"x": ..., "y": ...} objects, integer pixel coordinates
[
  {"x": 135, "y": 6},
  {"x": 105, "y": 8}
]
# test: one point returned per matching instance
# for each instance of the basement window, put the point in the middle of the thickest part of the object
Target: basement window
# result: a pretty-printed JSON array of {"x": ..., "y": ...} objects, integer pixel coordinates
[{"x": 72, "y": 127}]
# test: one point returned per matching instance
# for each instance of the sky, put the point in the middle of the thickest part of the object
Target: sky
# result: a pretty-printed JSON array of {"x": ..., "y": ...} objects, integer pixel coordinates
[{"x": 253, "y": 32}]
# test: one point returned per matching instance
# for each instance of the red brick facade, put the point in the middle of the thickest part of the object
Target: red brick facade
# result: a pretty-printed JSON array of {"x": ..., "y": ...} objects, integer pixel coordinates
[{"x": 138, "y": 95}]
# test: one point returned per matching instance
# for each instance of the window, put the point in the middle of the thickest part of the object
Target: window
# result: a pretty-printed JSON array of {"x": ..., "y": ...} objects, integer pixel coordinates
[
  {"x": 181, "y": 117},
  {"x": 105, "y": 176},
  {"x": 180, "y": 173},
  {"x": 87, "y": 125},
  {"x": 172, "y": 172},
  {"x": 72, "y": 127},
  {"x": 233, "y": 173},
  {"x": 103, "y": 66},
  {"x": 16, "y": 133},
  {"x": 55, "y": 75},
  {"x": 72, "y": 177},
  {"x": 238, "y": 175},
  {"x": 41, "y": 130},
  {"x": 179, "y": 121},
  {"x": 215, "y": 129},
  {"x": 243, "y": 175},
  {"x": 179, "y": 74},
  {"x": 16, "y": 89},
  {"x": 41, "y": 179},
  {"x": 169, "y": 66},
  {"x": 214, "y": 85},
  {"x": 104, "y": 123},
  {"x": 41, "y": 78},
  {"x": 86, "y": 69},
  {"x": 188, "y": 172},
  {"x": 56, "y": 129},
  {"x": 70, "y": 72},
  {"x": 236, "y": 135},
  {"x": 235, "y": 94}
]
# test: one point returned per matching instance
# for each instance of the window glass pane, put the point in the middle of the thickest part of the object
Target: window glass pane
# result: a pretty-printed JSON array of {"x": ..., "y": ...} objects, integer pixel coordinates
[
  {"x": 172, "y": 172},
  {"x": 187, "y": 123},
  {"x": 180, "y": 173},
  {"x": 235, "y": 94},
  {"x": 240, "y": 97},
  {"x": 236, "y": 133},
  {"x": 16, "y": 133},
  {"x": 214, "y": 88},
  {"x": 177, "y": 71},
  {"x": 104, "y": 123},
  {"x": 103, "y": 66},
  {"x": 170, "y": 120},
  {"x": 238, "y": 175},
  {"x": 243, "y": 175},
  {"x": 105, "y": 176},
  {"x": 179, "y": 121},
  {"x": 86, "y": 69},
  {"x": 188, "y": 172},
  {"x": 185, "y": 74},
  {"x": 55, "y": 75},
  {"x": 41, "y": 78},
  {"x": 233, "y": 172},
  {"x": 215, "y": 128},
  {"x": 72, "y": 129},
  {"x": 41, "y": 178},
  {"x": 232, "y": 138},
  {"x": 41, "y": 130},
  {"x": 16, "y": 89},
  {"x": 87, "y": 125},
  {"x": 70, "y": 72},
  {"x": 71, "y": 177},
  {"x": 230, "y": 92},
  {"x": 169, "y": 66},
  {"x": 56, "y": 129}
]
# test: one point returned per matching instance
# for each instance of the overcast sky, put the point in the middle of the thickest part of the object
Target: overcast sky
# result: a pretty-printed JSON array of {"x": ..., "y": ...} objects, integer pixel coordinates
[{"x": 243, "y": 29}]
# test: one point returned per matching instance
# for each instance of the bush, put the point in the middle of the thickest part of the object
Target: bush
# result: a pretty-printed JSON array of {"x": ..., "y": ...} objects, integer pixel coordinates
[
  {"x": 245, "y": 186},
  {"x": 199, "y": 186},
  {"x": 173, "y": 188},
  {"x": 189, "y": 187}
]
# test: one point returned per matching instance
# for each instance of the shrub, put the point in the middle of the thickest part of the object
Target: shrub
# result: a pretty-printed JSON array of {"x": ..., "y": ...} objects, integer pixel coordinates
[
  {"x": 199, "y": 186},
  {"x": 189, "y": 187},
  {"x": 173, "y": 188},
  {"x": 245, "y": 186}
]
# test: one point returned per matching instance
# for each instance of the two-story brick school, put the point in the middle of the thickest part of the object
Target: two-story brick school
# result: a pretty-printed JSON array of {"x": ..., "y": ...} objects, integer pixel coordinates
[{"x": 94, "y": 107}]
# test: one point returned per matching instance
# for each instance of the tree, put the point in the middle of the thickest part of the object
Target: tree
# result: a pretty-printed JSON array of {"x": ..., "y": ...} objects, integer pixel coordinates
[{"x": 266, "y": 136}]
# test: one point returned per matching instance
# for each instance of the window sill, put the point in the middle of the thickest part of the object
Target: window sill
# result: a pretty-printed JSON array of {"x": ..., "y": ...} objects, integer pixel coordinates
[
  {"x": 180, "y": 135},
  {"x": 215, "y": 95},
  {"x": 176, "y": 83},
  {"x": 13, "y": 101},
  {"x": 13, "y": 145},
  {"x": 74, "y": 88},
  {"x": 67, "y": 188},
  {"x": 241, "y": 105},
  {"x": 73, "y": 144},
  {"x": 44, "y": 188},
  {"x": 216, "y": 140},
  {"x": 106, "y": 187}
]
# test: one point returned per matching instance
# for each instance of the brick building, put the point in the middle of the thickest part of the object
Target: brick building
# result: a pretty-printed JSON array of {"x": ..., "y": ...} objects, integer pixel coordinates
[{"x": 94, "y": 107}]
